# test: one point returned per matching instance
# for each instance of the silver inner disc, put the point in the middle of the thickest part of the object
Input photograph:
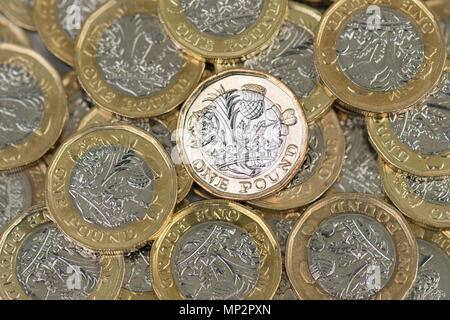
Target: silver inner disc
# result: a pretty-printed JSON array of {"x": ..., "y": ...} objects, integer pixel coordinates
[
  {"x": 435, "y": 190},
  {"x": 137, "y": 270}
]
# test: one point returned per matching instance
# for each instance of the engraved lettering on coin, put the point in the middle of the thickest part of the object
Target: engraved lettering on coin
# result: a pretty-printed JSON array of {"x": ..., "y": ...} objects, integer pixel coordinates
[
  {"x": 435, "y": 190},
  {"x": 21, "y": 105},
  {"x": 79, "y": 106},
  {"x": 15, "y": 196},
  {"x": 290, "y": 58},
  {"x": 222, "y": 18},
  {"x": 111, "y": 186},
  {"x": 241, "y": 132},
  {"x": 216, "y": 261},
  {"x": 351, "y": 256},
  {"x": 136, "y": 57},
  {"x": 50, "y": 267},
  {"x": 433, "y": 277},
  {"x": 71, "y": 14},
  {"x": 137, "y": 270},
  {"x": 384, "y": 58},
  {"x": 445, "y": 24},
  {"x": 426, "y": 129}
]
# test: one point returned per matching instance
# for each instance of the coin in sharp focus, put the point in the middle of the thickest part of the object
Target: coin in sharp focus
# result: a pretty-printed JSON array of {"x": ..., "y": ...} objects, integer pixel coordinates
[
  {"x": 10, "y": 33},
  {"x": 351, "y": 246},
  {"x": 357, "y": 54},
  {"x": 111, "y": 188},
  {"x": 40, "y": 263},
  {"x": 321, "y": 168},
  {"x": 242, "y": 134},
  {"x": 426, "y": 200},
  {"x": 59, "y": 22},
  {"x": 442, "y": 9},
  {"x": 418, "y": 140},
  {"x": 127, "y": 63},
  {"x": 215, "y": 30},
  {"x": 433, "y": 276},
  {"x": 19, "y": 11},
  {"x": 33, "y": 106},
  {"x": 206, "y": 234},
  {"x": 290, "y": 58},
  {"x": 161, "y": 128}
]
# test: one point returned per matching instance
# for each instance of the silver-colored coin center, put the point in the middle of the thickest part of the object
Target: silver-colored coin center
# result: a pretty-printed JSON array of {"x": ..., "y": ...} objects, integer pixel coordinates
[
  {"x": 216, "y": 261},
  {"x": 137, "y": 270},
  {"x": 435, "y": 190},
  {"x": 351, "y": 256},
  {"x": 380, "y": 57},
  {"x": 111, "y": 186},
  {"x": 21, "y": 105},
  {"x": 136, "y": 57},
  {"x": 159, "y": 131}
]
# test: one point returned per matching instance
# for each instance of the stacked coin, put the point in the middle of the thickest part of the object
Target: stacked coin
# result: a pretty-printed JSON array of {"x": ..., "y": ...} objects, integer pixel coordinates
[{"x": 242, "y": 149}]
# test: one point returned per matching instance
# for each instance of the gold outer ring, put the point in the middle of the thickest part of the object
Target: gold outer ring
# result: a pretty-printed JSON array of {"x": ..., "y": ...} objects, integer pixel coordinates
[
  {"x": 411, "y": 205},
  {"x": 55, "y": 107},
  {"x": 323, "y": 178},
  {"x": 113, "y": 267},
  {"x": 216, "y": 210},
  {"x": 19, "y": 12},
  {"x": 203, "y": 46},
  {"x": 105, "y": 240},
  {"x": 396, "y": 153},
  {"x": 11, "y": 33},
  {"x": 401, "y": 281},
  {"x": 101, "y": 92},
  {"x": 370, "y": 102},
  {"x": 440, "y": 239}
]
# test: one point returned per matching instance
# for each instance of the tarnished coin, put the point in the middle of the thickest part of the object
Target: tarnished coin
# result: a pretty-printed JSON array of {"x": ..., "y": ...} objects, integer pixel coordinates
[
  {"x": 321, "y": 168},
  {"x": 216, "y": 249},
  {"x": 290, "y": 58},
  {"x": 425, "y": 200},
  {"x": 418, "y": 140},
  {"x": 127, "y": 63},
  {"x": 59, "y": 22},
  {"x": 111, "y": 188},
  {"x": 222, "y": 30},
  {"x": 351, "y": 246},
  {"x": 379, "y": 59},
  {"x": 242, "y": 135},
  {"x": 10, "y": 33},
  {"x": 161, "y": 128},
  {"x": 442, "y": 9},
  {"x": 40, "y": 263},
  {"x": 33, "y": 106},
  {"x": 19, "y": 11},
  {"x": 433, "y": 276}
]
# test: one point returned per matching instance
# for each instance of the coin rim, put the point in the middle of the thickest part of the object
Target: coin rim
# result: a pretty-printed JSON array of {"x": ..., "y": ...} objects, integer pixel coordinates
[
  {"x": 20, "y": 13},
  {"x": 14, "y": 32}
]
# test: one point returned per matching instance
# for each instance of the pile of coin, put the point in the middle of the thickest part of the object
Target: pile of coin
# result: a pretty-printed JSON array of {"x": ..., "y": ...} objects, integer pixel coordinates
[{"x": 240, "y": 149}]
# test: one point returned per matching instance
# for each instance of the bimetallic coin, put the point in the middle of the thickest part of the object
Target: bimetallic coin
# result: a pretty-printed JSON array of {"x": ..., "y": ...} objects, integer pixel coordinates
[
  {"x": 357, "y": 54},
  {"x": 351, "y": 246},
  {"x": 131, "y": 67},
  {"x": 19, "y": 11},
  {"x": 242, "y": 135},
  {"x": 425, "y": 200},
  {"x": 10, "y": 33},
  {"x": 33, "y": 106},
  {"x": 111, "y": 188},
  {"x": 222, "y": 30},
  {"x": 45, "y": 265},
  {"x": 222, "y": 250},
  {"x": 321, "y": 168}
]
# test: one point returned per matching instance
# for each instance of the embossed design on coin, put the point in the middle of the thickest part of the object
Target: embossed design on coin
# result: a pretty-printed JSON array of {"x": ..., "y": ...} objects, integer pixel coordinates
[
  {"x": 223, "y": 18},
  {"x": 435, "y": 190},
  {"x": 111, "y": 186},
  {"x": 290, "y": 58},
  {"x": 49, "y": 267},
  {"x": 79, "y": 106},
  {"x": 445, "y": 24},
  {"x": 382, "y": 59},
  {"x": 136, "y": 57},
  {"x": 351, "y": 256},
  {"x": 15, "y": 196},
  {"x": 137, "y": 270},
  {"x": 21, "y": 105},
  {"x": 216, "y": 261}
]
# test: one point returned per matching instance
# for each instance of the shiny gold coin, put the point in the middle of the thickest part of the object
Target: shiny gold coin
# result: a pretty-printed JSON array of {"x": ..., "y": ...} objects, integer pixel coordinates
[
  {"x": 323, "y": 164},
  {"x": 111, "y": 188},
  {"x": 204, "y": 234},
  {"x": 161, "y": 129},
  {"x": 242, "y": 135},
  {"x": 422, "y": 199},
  {"x": 10, "y": 33},
  {"x": 222, "y": 31},
  {"x": 40, "y": 263},
  {"x": 33, "y": 106},
  {"x": 371, "y": 78},
  {"x": 127, "y": 63},
  {"x": 19, "y": 11},
  {"x": 351, "y": 246}
]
